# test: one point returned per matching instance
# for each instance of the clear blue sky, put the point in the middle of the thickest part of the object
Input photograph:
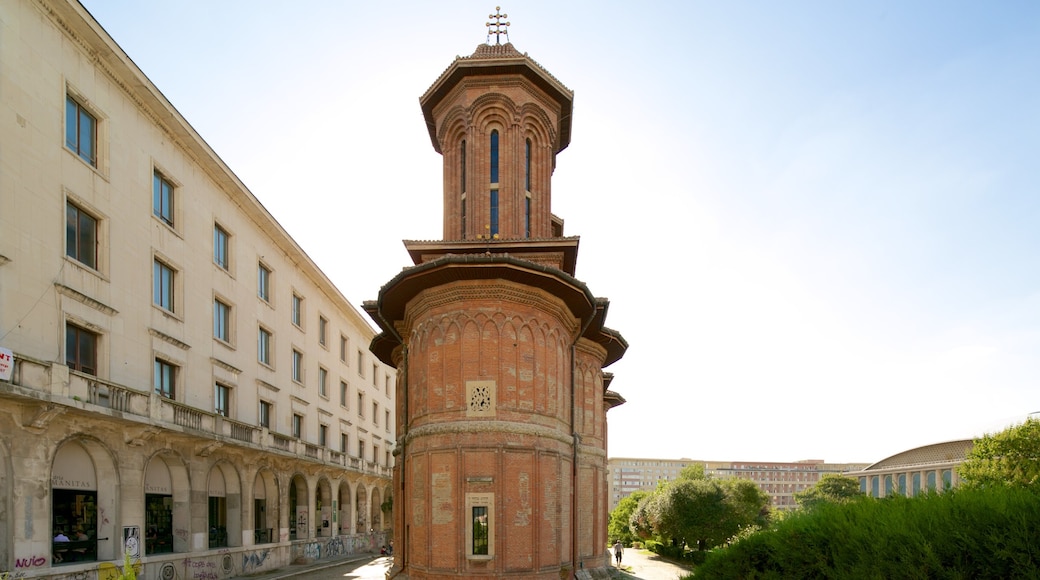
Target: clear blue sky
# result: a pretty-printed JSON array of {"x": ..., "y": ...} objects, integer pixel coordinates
[{"x": 817, "y": 222}]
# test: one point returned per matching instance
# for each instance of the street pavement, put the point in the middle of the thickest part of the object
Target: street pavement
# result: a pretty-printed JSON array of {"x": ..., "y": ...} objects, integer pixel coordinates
[
  {"x": 635, "y": 565},
  {"x": 646, "y": 565}
]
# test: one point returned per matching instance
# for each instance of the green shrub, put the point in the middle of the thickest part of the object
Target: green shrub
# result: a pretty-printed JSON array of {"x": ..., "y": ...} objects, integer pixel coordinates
[{"x": 977, "y": 534}]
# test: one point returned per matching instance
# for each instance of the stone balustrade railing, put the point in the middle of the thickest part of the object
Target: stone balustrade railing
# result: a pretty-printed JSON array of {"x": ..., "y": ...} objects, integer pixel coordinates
[{"x": 54, "y": 382}]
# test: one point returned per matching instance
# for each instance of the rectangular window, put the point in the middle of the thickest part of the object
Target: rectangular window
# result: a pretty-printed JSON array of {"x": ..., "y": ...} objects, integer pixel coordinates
[
  {"x": 343, "y": 441},
  {"x": 361, "y": 449},
  {"x": 480, "y": 525},
  {"x": 221, "y": 251},
  {"x": 343, "y": 394},
  {"x": 360, "y": 363},
  {"x": 375, "y": 413},
  {"x": 221, "y": 320},
  {"x": 80, "y": 131},
  {"x": 162, "y": 285},
  {"x": 386, "y": 384},
  {"x": 360, "y": 405},
  {"x": 480, "y": 531},
  {"x": 80, "y": 236},
  {"x": 165, "y": 378},
  {"x": 323, "y": 435},
  {"x": 297, "y": 310},
  {"x": 297, "y": 425},
  {"x": 493, "y": 229},
  {"x": 323, "y": 328},
  {"x": 81, "y": 349},
  {"x": 162, "y": 198},
  {"x": 222, "y": 400},
  {"x": 297, "y": 366},
  {"x": 263, "y": 283},
  {"x": 386, "y": 420},
  {"x": 263, "y": 347},
  {"x": 265, "y": 414},
  {"x": 344, "y": 345},
  {"x": 323, "y": 379},
  {"x": 375, "y": 371}
]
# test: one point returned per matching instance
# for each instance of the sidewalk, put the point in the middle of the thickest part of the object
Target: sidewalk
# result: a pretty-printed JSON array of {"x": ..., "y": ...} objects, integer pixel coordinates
[
  {"x": 646, "y": 565},
  {"x": 294, "y": 570}
]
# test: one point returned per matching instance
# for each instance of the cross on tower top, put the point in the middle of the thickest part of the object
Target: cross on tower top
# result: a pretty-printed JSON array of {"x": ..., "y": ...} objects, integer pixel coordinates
[{"x": 497, "y": 27}]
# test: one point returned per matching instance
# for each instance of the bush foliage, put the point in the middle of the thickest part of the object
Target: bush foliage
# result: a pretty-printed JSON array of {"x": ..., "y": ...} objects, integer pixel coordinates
[{"x": 961, "y": 534}]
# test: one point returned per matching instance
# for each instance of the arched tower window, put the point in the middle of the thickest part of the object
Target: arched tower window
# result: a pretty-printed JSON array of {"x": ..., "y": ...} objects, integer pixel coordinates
[
  {"x": 494, "y": 184},
  {"x": 527, "y": 189},
  {"x": 462, "y": 187}
]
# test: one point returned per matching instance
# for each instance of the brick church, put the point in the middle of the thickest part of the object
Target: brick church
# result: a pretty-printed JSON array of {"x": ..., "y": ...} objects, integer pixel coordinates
[{"x": 502, "y": 398}]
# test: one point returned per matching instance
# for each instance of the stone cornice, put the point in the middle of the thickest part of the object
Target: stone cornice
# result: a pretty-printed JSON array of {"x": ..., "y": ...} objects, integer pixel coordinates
[
  {"x": 167, "y": 338},
  {"x": 81, "y": 297},
  {"x": 494, "y": 427}
]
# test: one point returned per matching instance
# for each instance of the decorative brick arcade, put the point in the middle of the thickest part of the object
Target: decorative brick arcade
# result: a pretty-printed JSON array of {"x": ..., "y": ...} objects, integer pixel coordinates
[{"x": 501, "y": 398}]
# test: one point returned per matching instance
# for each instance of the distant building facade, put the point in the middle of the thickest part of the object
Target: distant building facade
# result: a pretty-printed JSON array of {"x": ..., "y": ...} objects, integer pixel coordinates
[
  {"x": 915, "y": 471},
  {"x": 779, "y": 480},
  {"x": 503, "y": 400},
  {"x": 177, "y": 377}
]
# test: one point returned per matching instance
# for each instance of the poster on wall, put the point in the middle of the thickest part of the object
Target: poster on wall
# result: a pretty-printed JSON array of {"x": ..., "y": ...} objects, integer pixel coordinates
[
  {"x": 301, "y": 519},
  {"x": 6, "y": 364},
  {"x": 132, "y": 540}
]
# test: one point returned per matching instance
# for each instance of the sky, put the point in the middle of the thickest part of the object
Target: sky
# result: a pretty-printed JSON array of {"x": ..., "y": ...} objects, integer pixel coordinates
[{"x": 817, "y": 222}]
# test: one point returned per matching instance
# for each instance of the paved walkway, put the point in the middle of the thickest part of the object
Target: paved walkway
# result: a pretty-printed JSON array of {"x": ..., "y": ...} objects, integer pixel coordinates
[
  {"x": 646, "y": 565},
  {"x": 299, "y": 570},
  {"x": 635, "y": 565}
]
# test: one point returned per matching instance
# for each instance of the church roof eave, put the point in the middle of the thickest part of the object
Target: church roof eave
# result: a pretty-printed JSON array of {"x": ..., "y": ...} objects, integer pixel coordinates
[{"x": 505, "y": 64}]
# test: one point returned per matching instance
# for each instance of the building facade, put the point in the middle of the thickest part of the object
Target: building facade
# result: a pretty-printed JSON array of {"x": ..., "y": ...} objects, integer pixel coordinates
[
  {"x": 177, "y": 377},
  {"x": 500, "y": 351},
  {"x": 915, "y": 471},
  {"x": 779, "y": 480}
]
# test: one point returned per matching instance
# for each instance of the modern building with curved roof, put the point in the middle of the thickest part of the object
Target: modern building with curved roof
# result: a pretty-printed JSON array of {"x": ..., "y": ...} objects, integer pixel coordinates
[{"x": 915, "y": 471}]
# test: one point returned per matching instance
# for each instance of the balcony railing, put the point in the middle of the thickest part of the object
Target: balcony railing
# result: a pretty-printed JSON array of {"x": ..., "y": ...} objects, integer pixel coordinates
[{"x": 60, "y": 385}]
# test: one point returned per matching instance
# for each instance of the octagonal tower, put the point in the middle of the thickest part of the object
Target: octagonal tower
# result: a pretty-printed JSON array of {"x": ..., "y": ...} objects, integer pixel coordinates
[{"x": 502, "y": 397}]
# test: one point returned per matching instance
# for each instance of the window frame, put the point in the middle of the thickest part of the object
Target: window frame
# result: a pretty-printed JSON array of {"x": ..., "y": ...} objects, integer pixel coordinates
[
  {"x": 73, "y": 130},
  {"x": 297, "y": 425},
  {"x": 265, "y": 411},
  {"x": 264, "y": 346},
  {"x": 480, "y": 505},
  {"x": 80, "y": 336},
  {"x": 165, "y": 384},
  {"x": 223, "y": 317},
  {"x": 263, "y": 282},
  {"x": 164, "y": 198},
  {"x": 296, "y": 311},
  {"x": 222, "y": 399},
  {"x": 76, "y": 251},
  {"x": 297, "y": 366},
  {"x": 221, "y": 247},
  {"x": 164, "y": 288},
  {"x": 323, "y": 382}
]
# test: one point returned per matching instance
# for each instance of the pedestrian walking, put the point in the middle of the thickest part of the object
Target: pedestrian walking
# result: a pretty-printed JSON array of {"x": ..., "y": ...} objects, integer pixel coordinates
[{"x": 618, "y": 551}]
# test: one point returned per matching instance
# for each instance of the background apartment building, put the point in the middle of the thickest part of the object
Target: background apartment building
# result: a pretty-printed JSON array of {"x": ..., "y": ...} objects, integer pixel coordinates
[
  {"x": 780, "y": 481},
  {"x": 176, "y": 375}
]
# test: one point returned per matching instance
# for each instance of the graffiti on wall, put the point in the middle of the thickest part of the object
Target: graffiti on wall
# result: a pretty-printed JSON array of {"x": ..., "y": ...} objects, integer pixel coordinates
[
  {"x": 252, "y": 561},
  {"x": 33, "y": 561}
]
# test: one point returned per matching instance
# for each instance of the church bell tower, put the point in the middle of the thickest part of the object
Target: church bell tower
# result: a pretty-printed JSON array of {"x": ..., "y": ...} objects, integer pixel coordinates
[{"x": 502, "y": 398}]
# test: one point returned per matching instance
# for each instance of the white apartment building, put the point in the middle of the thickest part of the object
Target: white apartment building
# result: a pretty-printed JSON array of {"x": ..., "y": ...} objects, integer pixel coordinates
[
  {"x": 779, "y": 480},
  {"x": 177, "y": 377}
]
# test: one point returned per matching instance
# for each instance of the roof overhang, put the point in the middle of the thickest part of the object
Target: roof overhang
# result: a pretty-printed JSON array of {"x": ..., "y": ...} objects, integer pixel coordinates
[{"x": 484, "y": 67}]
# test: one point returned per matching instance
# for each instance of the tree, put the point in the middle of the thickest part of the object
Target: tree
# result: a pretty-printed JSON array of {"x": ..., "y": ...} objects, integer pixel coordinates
[
  {"x": 693, "y": 471},
  {"x": 1008, "y": 458},
  {"x": 831, "y": 488},
  {"x": 702, "y": 512},
  {"x": 619, "y": 527}
]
